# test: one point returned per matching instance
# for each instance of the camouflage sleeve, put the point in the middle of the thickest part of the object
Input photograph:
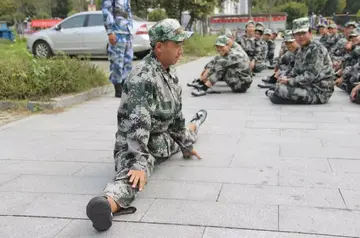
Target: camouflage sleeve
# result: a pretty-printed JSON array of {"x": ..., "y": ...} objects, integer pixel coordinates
[
  {"x": 314, "y": 70},
  {"x": 271, "y": 50},
  {"x": 260, "y": 53},
  {"x": 178, "y": 131},
  {"x": 107, "y": 11},
  {"x": 136, "y": 107}
]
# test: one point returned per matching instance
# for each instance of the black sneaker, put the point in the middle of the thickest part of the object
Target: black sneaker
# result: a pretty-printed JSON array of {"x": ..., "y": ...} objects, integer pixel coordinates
[
  {"x": 195, "y": 83},
  {"x": 269, "y": 92},
  {"x": 343, "y": 86},
  {"x": 199, "y": 118},
  {"x": 266, "y": 85},
  {"x": 99, "y": 212},
  {"x": 199, "y": 92}
]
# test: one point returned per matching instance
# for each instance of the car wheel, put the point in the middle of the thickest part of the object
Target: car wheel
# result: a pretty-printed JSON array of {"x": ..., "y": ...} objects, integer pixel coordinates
[
  {"x": 141, "y": 54},
  {"x": 42, "y": 49}
]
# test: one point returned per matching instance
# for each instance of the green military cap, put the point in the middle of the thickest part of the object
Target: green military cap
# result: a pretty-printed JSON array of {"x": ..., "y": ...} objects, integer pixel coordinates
[
  {"x": 168, "y": 30},
  {"x": 333, "y": 26},
  {"x": 228, "y": 33},
  {"x": 222, "y": 40},
  {"x": 301, "y": 25},
  {"x": 289, "y": 36},
  {"x": 268, "y": 31},
  {"x": 351, "y": 23},
  {"x": 322, "y": 25},
  {"x": 250, "y": 22},
  {"x": 259, "y": 28},
  {"x": 260, "y": 24},
  {"x": 355, "y": 32}
]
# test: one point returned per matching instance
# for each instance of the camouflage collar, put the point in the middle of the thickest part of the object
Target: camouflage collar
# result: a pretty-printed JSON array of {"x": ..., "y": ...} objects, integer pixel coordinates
[{"x": 155, "y": 63}]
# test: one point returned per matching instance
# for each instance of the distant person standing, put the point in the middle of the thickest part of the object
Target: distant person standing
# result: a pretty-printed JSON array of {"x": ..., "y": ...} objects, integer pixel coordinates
[{"x": 118, "y": 24}]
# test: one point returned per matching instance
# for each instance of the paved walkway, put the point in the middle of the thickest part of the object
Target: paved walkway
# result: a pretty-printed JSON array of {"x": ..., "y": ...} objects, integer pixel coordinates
[{"x": 268, "y": 171}]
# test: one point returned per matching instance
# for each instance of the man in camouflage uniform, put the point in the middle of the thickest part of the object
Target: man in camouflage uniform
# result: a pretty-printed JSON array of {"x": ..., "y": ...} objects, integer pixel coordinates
[
  {"x": 232, "y": 67},
  {"x": 258, "y": 61},
  {"x": 349, "y": 74},
  {"x": 323, "y": 30},
  {"x": 333, "y": 38},
  {"x": 151, "y": 126},
  {"x": 270, "y": 46},
  {"x": 311, "y": 81},
  {"x": 247, "y": 41},
  {"x": 285, "y": 64},
  {"x": 118, "y": 24}
]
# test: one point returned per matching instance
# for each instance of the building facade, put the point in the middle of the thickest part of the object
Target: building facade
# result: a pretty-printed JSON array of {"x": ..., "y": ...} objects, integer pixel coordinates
[{"x": 234, "y": 7}]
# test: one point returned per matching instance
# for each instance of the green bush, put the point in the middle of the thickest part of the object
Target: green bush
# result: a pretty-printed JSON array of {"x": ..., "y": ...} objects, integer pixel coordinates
[
  {"x": 199, "y": 45},
  {"x": 157, "y": 15},
  {"x": 23, "y": 77}
]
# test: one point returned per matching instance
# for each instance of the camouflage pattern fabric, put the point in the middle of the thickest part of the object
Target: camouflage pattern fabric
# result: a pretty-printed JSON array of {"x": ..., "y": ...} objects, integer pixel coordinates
[
  {"x": 261, "y": 50},
  {"x": 332, "y": 40},
  {"x": 311, "y": 81},
  {"x": 151, "y": 126},
  {"x": 271, "y": 50},
  {"x": 117, "y": 16},
  {"x": 338, "y": 51},
  {"x": 248, "y": 45},
  {"x": 120, "y": 56},
  {"x": 351, "y": 69},
  {"x": 324, "y": 40},
  {"x": 283, "y": 49},
  {"x": 301, "y": 25},
  {"x": 234, "y": 69},
  {"x": 118, "y": 20},
  {"x": 287, "y": 61}
]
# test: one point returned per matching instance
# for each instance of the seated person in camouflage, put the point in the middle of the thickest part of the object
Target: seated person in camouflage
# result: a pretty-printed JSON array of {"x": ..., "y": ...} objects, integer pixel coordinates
[
  {"x": 323, "y": 31},
  {"x": 258, "y": 60},
  {"x": 355, "y": 92},
  {"x": 247, "y": 41},
  {"x": 349, "y": 73},
  {"x": 233, "y": 45},
  {"x": 311, "y": 81},
  {"x": 334, "y": 37},
  {"x": 339, "y": 51},
  {"x": 151, "y": 126},
  {"x": 232, "y": 67},
  {"x": 270, "y": 46},
  {"x": 285, "y": 64}
]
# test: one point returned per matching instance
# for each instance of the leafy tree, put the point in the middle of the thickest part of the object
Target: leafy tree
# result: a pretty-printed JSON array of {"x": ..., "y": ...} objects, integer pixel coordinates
[
  {"x": 294, "y": 10},
  {"x": 358, "y": 13},
  {"x": 61, "y": 8},
  {"x": 341, "y": 4},
  {"x": 352, "y": 6},
  {"x": 315, "y": 6},
  {"x": 157, "y": 15},
  {"x": 43, "y": 15}
]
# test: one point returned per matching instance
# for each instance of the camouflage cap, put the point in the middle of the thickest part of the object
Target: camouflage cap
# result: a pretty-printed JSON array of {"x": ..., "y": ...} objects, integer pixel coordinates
[
  {"x": 250, "y": 22},
  {"x": 268, "y": 31},
  {"x": 322, "y": 25},
  {"x": 355, "y": 32},
  {"x": 168, "y": 30},
  {"x": 301, "y": 25},
  {"x": 259, "y": 28},
  {"x": 222, "y": 40},
  {"x": 289, "y": 36},
  {"x": 351, "y": 23},
  {"x": 228, "y": 33},
  {"x": 333, "y": 26}
]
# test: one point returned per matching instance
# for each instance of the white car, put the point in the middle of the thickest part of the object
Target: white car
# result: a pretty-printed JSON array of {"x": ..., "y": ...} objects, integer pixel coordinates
[{"x": 84, "y": 34}]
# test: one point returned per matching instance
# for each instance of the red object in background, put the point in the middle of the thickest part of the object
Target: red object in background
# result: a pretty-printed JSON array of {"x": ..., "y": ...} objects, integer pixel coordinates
[
  {"x": 44, "y": 23},
  {"x": 245, "y": 19}
]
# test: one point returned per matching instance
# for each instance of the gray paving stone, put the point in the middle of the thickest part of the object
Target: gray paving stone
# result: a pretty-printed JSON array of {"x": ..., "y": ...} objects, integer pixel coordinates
[
  {"x": 84, "y": 229},
  {"x": 13, "y": 203},
  {"x": 345, "y": 165},
  {"x": 319, "y": 179},
  {"x": 97, "y": 170},
  {"x": 320, "y": 221},
  {"x": 249, "y": 151},
  {"x": 142, "y": 205},
  {"x": 19, "y": 227},
  {"x": 208, "y": 159},
  {"x": 79, "y": 156},
  {"x": 278, "y": 195},
  {"x": 281, "y": 125},
  {"x": 237, "y": 233},
  {"x": 7, "y": 177},
  {"x": 216, "y": 175},
  {"x": 339, "y": 126},
  {"x": 56, "y": 184},
  {"x": 213, "y": 214},
  {"x": 315, "y": 119},
  {"x": 352, "y": 198},
  {"x": 318, "y": 152},
  {"x": 280, "y": 113},
  {"x": 252, "y": 140},
  {"x": 281, "y": 163},
  {"x": 181, "y": 190},
  {"x": 39, "y": 167},
  {"x": 349, "y": 142},
  {"x": 322, "y": 134}
]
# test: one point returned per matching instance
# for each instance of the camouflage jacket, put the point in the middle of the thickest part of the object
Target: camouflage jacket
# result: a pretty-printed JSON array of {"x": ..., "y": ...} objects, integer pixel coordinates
[
  {"x": 271, "y": 49},
  {"x": 150, "y": 115},
  {"x": 338, "y": 51},
  {"x": 324, "y": 41},
  {"x": 117, "y": 16},
  {"x": 248, "y": 45},
  {"x": 261, "y": 50},
  {"x": 287, "y": 61},
  {"x": 235, "y": 61},
  {"x": 283, "y": 49},
  {"x": 332, "y": 40},
  {"x": 313, "y": 69},
  {"x": 352, "y": 62}
]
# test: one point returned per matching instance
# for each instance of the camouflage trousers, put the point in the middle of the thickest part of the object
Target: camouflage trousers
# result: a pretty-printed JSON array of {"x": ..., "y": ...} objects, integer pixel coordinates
[
  {"x": 301, "y": 95},
  {"x": 120, "y": 189},
  {"x": 211, "y": 63},
  {"x": 238, "y": 81},
  {"x": 120, "y": 56},
  {"x": 259, "y": 66}
]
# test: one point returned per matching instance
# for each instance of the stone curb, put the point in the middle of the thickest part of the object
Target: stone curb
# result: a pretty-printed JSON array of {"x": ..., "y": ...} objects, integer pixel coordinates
[{"x": 59, "y": 102}]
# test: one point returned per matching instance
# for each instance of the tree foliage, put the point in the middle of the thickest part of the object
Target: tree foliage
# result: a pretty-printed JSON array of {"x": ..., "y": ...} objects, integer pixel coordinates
[
  {"x": 294, "y": 10},
  {"x": 157, "y": 15},
  {"x": 61, "y": 8}
]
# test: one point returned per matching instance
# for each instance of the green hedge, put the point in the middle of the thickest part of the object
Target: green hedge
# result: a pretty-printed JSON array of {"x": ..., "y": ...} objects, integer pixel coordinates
[
  {"x": 23, "y": 77},
  {"x": 199, "y": 45}
]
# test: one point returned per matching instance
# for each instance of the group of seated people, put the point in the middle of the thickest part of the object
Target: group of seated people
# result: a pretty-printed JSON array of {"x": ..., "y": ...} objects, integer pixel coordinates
[{"x": 305, "y": 72}]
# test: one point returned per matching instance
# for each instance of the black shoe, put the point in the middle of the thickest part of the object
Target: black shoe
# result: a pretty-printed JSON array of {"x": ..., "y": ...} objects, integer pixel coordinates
[
  {"x": 198, "y": 92},
  {"x": 195, "y": 83},
  {"x": 199, "y": 119},
  {"x": 266, "y": 85},
  {"x": 99, "y": 212},
  {"x": 269, "y": 92},
  {"x": 118, "y": 90}
]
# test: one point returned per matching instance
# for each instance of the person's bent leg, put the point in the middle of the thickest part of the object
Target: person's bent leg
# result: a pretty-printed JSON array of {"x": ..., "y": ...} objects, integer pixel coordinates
[{"x": 286, "y": 94}]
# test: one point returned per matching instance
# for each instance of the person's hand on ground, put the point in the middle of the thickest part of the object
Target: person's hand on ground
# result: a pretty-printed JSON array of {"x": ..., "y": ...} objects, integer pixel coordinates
[
  {"x": 137, "y": 177},
  {"x": 339, "y": 81},
  {"x": 192, "y": 153},
  {"x": 112, "y": 39},
  {"x": 354, "y": 92}
]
